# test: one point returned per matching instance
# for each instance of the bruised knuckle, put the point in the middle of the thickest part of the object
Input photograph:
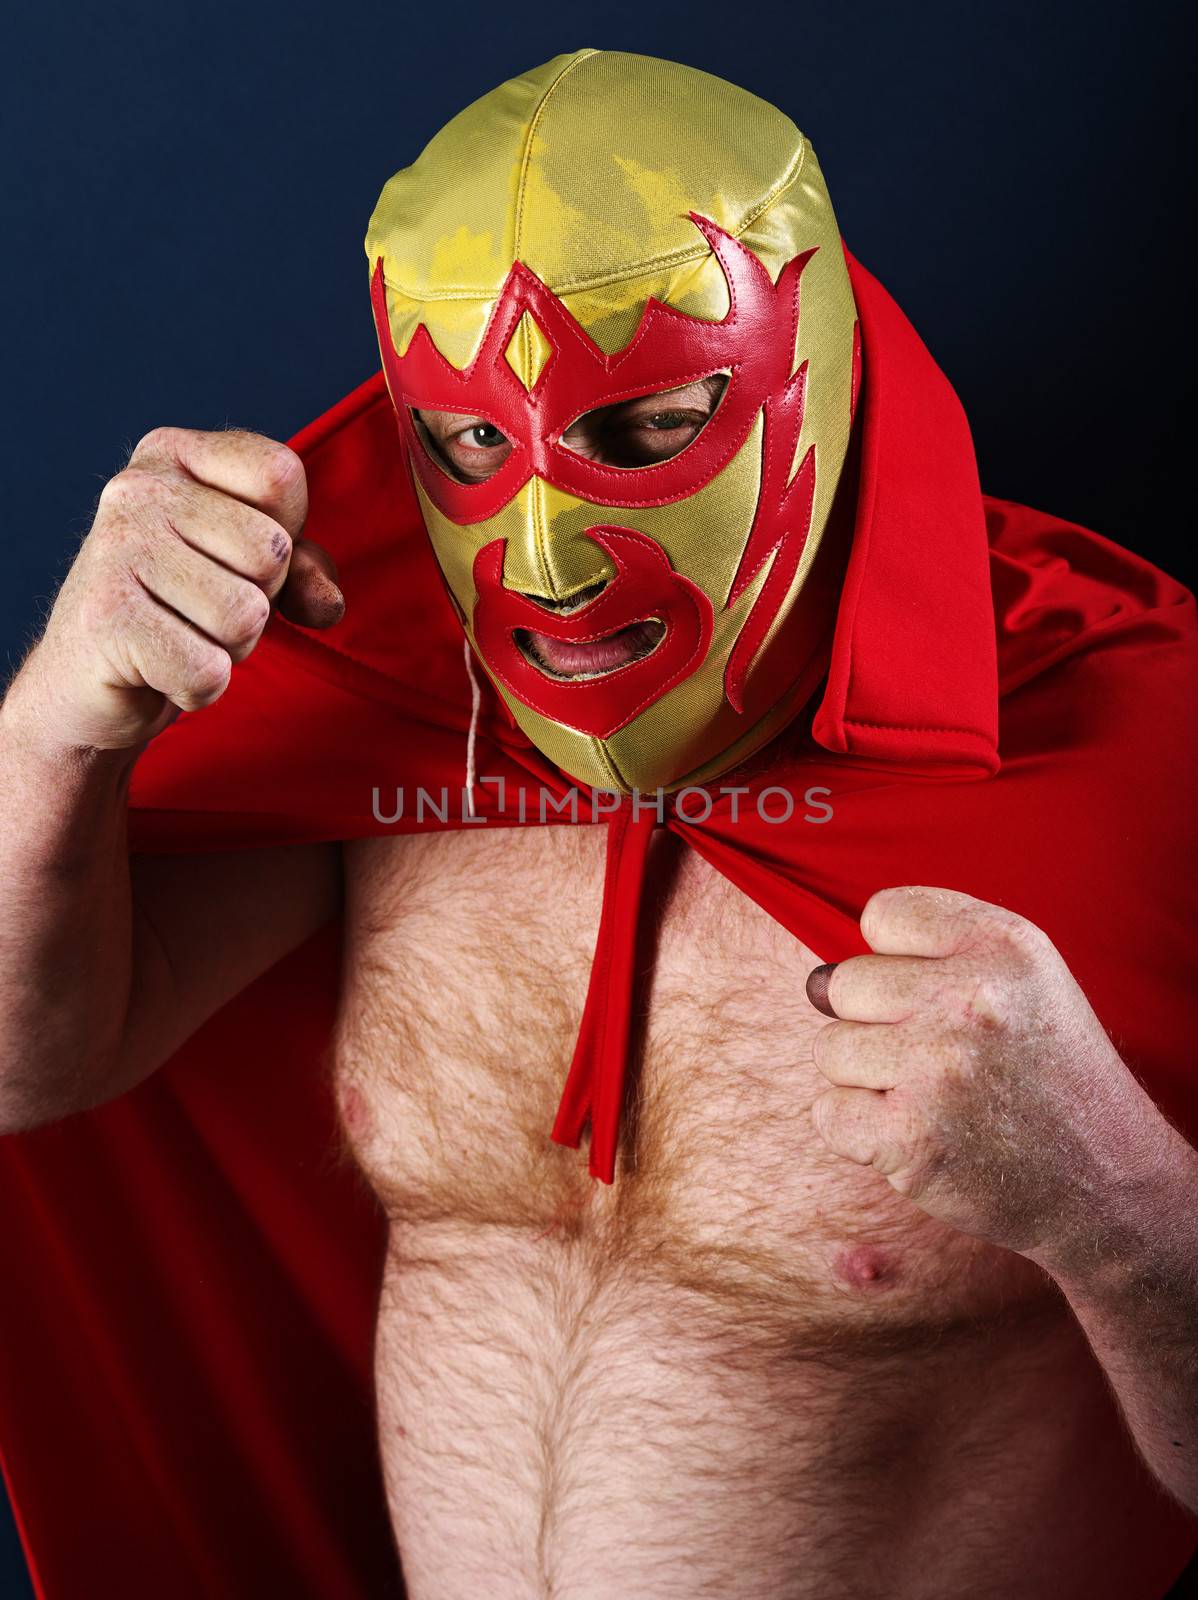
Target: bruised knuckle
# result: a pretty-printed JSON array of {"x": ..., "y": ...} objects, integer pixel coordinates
[{"x": 268, "y": 553}]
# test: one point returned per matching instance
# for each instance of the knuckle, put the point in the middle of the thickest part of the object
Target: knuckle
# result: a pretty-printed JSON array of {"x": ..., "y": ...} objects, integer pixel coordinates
[
  {"x": 833, "y": 1041},
  {"x": 131, "y": 488},
  {"x": 270, "y": 553},
  {"x": 876, "y": 913},
  {"x": 246, "y": 616},
  {"x": 158, "y": 442},
  {"x": 207, "y": 679},
  {"x": 821, "y": 1045},
  {"x": 912, "y": 1153},
  {"x": 281, "y": 469},
  {"x": 823, "y": 1114},
  {"x": 987, "y": 1000},
  {"x": 908, "y": 1176},
  {"x": 1009, "y": 939},
  {"x": 1028, "y": 943},
  {"x": 993, "y": 917}
]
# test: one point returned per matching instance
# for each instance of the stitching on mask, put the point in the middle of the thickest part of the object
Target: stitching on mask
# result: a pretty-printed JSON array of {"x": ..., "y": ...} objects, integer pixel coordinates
[
  {"x": 599, "y": 748},
  {"x": 639, "y": 269},
  {"x": 616, "y": 473},
  {"x": 637, "y": 392},
  {"x": 526, "y": 155},
  {"x": 538, "y": 534}
]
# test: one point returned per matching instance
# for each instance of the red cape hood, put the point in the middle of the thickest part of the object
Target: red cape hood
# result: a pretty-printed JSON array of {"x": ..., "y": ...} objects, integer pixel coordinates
[{"x": 190, "y": 1273}]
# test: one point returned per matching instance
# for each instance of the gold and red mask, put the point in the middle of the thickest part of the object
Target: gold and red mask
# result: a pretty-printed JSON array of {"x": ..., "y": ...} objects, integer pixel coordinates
[{"x": 606, "y": 228}]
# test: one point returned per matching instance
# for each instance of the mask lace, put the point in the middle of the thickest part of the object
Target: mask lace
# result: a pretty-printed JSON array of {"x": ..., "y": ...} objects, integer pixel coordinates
[{"x": 476, "y": 701}]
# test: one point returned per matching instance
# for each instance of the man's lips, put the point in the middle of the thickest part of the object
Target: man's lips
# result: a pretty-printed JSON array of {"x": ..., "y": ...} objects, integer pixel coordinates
[{"x": 565, "y": 659}]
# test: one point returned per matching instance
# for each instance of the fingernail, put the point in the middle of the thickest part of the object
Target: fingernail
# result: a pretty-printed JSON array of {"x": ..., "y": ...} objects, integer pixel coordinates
[
  {"x": 327, "y": 597},
  {"x": 818, "y": 980}
]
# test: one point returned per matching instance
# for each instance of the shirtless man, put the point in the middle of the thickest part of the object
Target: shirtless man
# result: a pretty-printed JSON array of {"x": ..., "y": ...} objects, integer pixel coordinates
[{"x": 921, "y": 1338}]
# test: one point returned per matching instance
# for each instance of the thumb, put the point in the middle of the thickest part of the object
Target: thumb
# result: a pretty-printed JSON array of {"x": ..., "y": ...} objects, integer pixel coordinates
[{"x": 310, "y": 596}]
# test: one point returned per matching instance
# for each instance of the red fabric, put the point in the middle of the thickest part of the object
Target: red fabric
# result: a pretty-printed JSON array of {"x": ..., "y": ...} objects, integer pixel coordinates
[
  {"x": 190, "y": 1274},
  {"x": 595, "y": 1083}
]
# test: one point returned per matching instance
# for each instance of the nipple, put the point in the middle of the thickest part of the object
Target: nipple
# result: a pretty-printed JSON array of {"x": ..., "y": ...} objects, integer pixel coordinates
[
  {"x": 864, "y": 1266},
  {"x": 355, "y": 1113}
]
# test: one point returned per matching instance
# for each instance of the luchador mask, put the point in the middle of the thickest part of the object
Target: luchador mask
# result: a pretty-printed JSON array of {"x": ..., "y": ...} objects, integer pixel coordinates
[{"x": 606, "y": 228}]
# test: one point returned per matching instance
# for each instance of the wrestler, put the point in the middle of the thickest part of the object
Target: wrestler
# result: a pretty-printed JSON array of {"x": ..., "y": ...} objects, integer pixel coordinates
[{"x": 892, "y": 1285}]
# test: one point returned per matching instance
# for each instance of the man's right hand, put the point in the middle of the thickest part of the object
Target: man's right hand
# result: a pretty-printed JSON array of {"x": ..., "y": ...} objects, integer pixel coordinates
[{"x": 193, "y": 543}]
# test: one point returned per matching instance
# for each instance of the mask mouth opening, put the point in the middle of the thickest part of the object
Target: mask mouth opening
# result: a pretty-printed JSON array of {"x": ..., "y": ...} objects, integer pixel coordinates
[
  {"x": 571, "y": 661},
  {"x": 571, "y": 602}
]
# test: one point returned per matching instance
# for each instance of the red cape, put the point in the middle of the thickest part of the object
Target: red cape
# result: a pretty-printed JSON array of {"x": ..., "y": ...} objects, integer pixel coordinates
[{"x": 190, "y": 1273}]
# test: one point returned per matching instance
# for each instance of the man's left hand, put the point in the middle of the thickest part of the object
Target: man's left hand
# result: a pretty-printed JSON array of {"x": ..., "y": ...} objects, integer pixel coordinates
[{"x": 969, "y": 1069}]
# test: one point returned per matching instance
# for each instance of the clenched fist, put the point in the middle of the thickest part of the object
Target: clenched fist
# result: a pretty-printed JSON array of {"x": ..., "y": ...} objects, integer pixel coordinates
[
  {"x": 969, "y": 1070},
  {"x": 192, "y": 544}
]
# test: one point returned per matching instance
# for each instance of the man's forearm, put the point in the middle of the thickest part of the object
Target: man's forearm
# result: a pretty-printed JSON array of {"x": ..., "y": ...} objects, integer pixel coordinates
[
  {"x": 1133, "y": 1286},
  {"x": 65, "y": 917}
]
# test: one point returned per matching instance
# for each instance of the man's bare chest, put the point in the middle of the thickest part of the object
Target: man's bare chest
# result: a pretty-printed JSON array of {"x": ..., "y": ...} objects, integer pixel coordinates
[{"x": 467, "y": 959}]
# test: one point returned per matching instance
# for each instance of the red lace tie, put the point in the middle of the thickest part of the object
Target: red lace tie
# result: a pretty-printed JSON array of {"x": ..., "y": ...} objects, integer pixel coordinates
[{"x": 595, "y": 1084}]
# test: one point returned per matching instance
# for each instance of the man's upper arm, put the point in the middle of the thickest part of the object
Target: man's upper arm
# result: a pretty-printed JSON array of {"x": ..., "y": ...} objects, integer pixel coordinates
[{"x": 205, "y": 926}]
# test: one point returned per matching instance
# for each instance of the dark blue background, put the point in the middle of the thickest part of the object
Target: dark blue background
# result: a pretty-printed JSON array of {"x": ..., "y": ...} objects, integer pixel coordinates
[{"x": 186, "y": 190}]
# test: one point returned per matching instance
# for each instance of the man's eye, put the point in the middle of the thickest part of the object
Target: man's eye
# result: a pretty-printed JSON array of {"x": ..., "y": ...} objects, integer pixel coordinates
[
  {"x": 631, "y": 433},
  {"x": 481, "y": 436},
  {"x": 654, "y": 436},
  {"x": 469, "y": 449}
]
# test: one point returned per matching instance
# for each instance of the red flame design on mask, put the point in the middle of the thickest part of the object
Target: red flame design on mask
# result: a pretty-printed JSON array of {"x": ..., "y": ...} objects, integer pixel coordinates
[
  {"x": 780, "y": 527},
  {"x": 754, "y": 343}
]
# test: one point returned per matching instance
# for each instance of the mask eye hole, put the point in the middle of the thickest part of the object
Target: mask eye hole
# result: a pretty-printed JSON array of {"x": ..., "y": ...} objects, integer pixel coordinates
[
  {"x": 468, "y": 449},
  {"x": 649, "y": 428}
]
